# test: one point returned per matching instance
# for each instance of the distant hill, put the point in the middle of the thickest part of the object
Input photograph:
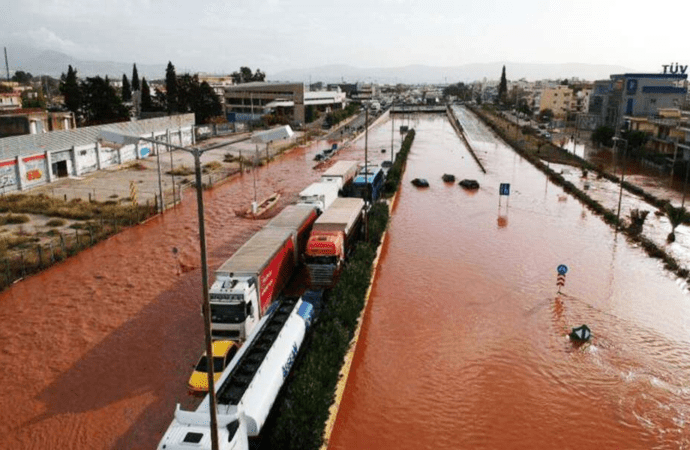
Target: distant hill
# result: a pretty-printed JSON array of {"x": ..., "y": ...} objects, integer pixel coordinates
[
  {"x": 452, "y": 74},
  {"x": 50, "y": 62},
  {"x": 54, "y": 63}
]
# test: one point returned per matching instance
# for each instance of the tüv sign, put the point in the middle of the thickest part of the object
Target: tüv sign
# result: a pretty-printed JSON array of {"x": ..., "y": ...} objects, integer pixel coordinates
[{"x": 674, "y": 68}]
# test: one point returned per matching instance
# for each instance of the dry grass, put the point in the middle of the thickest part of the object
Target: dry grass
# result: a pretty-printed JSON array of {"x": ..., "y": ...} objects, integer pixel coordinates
[
  {"x": 74, "y": 209},
  {"x": 55, "y": 223},
  {"x": 181, "y": 171},
  {"x": 211, "y": 166},
  {"x": 14, "y": 219},
  {"x": 135, "y": 166}
]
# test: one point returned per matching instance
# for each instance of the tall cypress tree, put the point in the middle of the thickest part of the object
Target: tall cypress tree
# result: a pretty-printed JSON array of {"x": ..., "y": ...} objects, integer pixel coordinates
[
  {"x": 503, "y": 87},
  {"x": 171, "y": 88},
  {"x": 135, "y": 79},
  {"x": 69, "y": 87},
  {"x": 146, "y": 103},
  {"x": 126, "y": 89}
]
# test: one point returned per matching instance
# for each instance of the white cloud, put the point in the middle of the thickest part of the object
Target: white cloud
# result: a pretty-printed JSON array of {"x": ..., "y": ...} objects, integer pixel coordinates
[{"x": 44, "y": 38}]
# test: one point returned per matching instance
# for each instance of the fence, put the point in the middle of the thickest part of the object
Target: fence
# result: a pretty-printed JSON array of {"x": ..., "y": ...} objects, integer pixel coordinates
[{"x": 33, "y": 258}]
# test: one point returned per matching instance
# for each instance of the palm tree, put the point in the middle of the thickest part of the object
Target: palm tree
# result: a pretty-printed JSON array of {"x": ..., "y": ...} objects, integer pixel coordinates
[
  {"x": 676, "y": 216},
  {"x": 637, "y": 218}
]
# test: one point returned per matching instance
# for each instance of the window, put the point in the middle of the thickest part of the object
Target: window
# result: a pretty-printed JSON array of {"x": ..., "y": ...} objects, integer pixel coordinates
[{"x": 193, "y": 438}]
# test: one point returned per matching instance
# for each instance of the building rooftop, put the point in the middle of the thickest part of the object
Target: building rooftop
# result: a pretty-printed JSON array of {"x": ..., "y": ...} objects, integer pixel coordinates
[{"x": 31, "y": 144}]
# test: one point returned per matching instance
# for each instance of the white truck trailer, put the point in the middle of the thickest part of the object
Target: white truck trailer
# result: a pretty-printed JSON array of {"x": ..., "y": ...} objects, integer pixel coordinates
[
  {"x": 249, "y": 385},
  {"x": 320, "y": 195},
  {"x": 341, "y": 173}
]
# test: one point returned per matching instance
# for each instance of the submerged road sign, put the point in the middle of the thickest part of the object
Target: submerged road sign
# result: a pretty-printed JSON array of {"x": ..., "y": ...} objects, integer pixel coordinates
[{"x": 560, "y": 279}]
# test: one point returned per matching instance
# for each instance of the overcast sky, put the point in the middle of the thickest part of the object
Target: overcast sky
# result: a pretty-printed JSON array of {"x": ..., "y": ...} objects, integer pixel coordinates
[{"x": 221, "y": 36}]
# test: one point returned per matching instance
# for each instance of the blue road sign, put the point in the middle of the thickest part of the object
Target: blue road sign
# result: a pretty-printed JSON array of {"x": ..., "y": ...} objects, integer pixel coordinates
[
  {"x": 144, "y": 152},
  {"x": 504, "y": 189},
  {"x": 562, "y": 269}
]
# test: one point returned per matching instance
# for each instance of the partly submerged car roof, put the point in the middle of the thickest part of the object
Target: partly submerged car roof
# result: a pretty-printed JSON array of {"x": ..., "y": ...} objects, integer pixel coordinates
[{"x": 220, "y": 348}]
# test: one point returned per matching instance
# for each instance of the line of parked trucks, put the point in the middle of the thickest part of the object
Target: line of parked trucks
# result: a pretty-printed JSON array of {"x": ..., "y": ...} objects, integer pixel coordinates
[{"x": 319, "y": 230}]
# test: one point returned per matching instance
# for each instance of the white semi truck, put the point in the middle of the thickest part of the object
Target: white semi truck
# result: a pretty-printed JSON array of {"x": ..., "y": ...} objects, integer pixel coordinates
[{"x": 251, "y": 279}]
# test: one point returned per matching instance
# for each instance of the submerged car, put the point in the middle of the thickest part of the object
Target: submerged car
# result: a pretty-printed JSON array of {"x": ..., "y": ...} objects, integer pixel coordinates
[{"x": 223, "y": 352}]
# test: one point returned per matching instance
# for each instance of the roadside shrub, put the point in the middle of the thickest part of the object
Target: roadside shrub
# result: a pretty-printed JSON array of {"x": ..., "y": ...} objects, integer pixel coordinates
[
  {"x": 211, "y": 166},
  {"x": 55, "y": 223},
  {"x": 181, "y": 171},
  {"x": 16, "y": 218}
]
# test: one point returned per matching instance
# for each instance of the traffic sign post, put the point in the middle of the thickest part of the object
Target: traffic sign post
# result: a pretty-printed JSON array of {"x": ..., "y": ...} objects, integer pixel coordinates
[
  {"x": 560, "y": 279},
  {"x": 503, "y": 189}
]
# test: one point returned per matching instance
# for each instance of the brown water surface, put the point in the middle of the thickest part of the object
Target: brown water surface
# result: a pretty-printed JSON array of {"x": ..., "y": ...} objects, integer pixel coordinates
[{"x": 464, "y": 344}]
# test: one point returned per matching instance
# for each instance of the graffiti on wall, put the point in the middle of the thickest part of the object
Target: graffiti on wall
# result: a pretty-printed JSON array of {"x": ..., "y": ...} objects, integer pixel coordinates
[
  {"x": 35, "y": 167},
  {"x": 8, "y": 174}
]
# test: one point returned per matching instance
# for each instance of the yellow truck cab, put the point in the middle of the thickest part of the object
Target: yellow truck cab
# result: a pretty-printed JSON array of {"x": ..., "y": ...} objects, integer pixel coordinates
[{"x": 223, "y": 352}]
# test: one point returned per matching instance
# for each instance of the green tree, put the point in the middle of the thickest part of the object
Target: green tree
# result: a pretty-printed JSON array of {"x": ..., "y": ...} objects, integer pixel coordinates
[
  {"x": 33, "y": 99},
  {"x": 636, "y": 139},
  {"x": 603, "y": 136},
  {"x": 135, "y": 79},
  {"x": 171, "y": 88},
  {"x": 22, "y": 77},
  {"x": 459, "y": 90},
  {"x": 310, "y": 114},
  {"x": 126, "y": 89},
  {"x": 245, "y": 75},
  {"x": 146, "y": 102},
  {"x": 545, "y": 115},
  {"x": 676, "y": 216},
  {"x": 101, "y": 104},
  {"x": 503, "y": 87},
  {"x": 198, "y": 98},
  {"x": 523, "y": 107},
  {"x": 69, "y": 87}
]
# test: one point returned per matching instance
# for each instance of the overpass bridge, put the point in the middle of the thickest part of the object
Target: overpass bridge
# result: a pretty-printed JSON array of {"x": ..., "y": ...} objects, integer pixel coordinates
[{"x": 407, "y": 109}]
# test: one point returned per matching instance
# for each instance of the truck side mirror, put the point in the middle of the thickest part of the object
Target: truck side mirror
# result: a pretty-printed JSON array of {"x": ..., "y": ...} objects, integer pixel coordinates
[{"x": 250, "y": 310}]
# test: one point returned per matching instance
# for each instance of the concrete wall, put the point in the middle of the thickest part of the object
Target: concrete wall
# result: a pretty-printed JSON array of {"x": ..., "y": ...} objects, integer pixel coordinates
[{"x": 25, "y": 172}]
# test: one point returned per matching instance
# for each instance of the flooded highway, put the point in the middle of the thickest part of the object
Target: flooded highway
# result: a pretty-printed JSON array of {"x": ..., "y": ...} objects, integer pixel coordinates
[{"x": 464, "y": 344}]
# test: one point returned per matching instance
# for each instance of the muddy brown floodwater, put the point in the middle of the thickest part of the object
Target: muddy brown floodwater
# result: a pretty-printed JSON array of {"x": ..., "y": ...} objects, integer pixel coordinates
[
  {"x": 97, "y": 350},
  {"x": 464, "y": 344}
]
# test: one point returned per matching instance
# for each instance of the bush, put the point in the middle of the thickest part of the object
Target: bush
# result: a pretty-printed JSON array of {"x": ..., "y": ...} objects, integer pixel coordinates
[
  {"x": 15, "y": 219},
  {"x": 55, "y": 223},
  {"x": 181, "y": 171},
  {"x": 211, "y": 166}
]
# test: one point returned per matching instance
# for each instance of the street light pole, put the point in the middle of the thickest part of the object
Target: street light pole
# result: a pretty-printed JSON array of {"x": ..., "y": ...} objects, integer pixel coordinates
[
  {"x": 161, "y": 207},
  {"x": 206, "y": 307},
  {"x": 392, "y": 133},
  {"x": 620, "y": 195}
]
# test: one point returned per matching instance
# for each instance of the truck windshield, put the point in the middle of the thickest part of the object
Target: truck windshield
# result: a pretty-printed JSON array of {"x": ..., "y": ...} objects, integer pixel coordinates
[{"x": 229, "y": 313}]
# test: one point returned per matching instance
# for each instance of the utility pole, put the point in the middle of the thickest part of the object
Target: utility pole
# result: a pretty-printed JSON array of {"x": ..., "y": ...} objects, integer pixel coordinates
[
  {"x": 172, "y": 174},
  {"x": 160, "y": 179},
  {"x": 392, "y": 134},
  {"x": 620, "y": 195},
  {"x": 366, "y": 172},
  {"x": 7, "y": 65}
]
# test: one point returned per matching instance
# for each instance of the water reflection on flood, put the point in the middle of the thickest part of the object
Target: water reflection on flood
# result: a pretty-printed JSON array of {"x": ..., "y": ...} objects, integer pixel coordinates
[{"x": 464, "y": 344}]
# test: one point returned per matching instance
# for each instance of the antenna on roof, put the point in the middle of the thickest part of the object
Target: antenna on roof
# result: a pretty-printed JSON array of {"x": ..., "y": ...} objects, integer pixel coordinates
[{"x": 7, "y": 66}]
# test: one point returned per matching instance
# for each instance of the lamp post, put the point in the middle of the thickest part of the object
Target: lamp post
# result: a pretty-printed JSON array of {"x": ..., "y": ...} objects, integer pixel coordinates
[
  {"x": 620, "y": 195},
  {"x": 196, "y": 152}
]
